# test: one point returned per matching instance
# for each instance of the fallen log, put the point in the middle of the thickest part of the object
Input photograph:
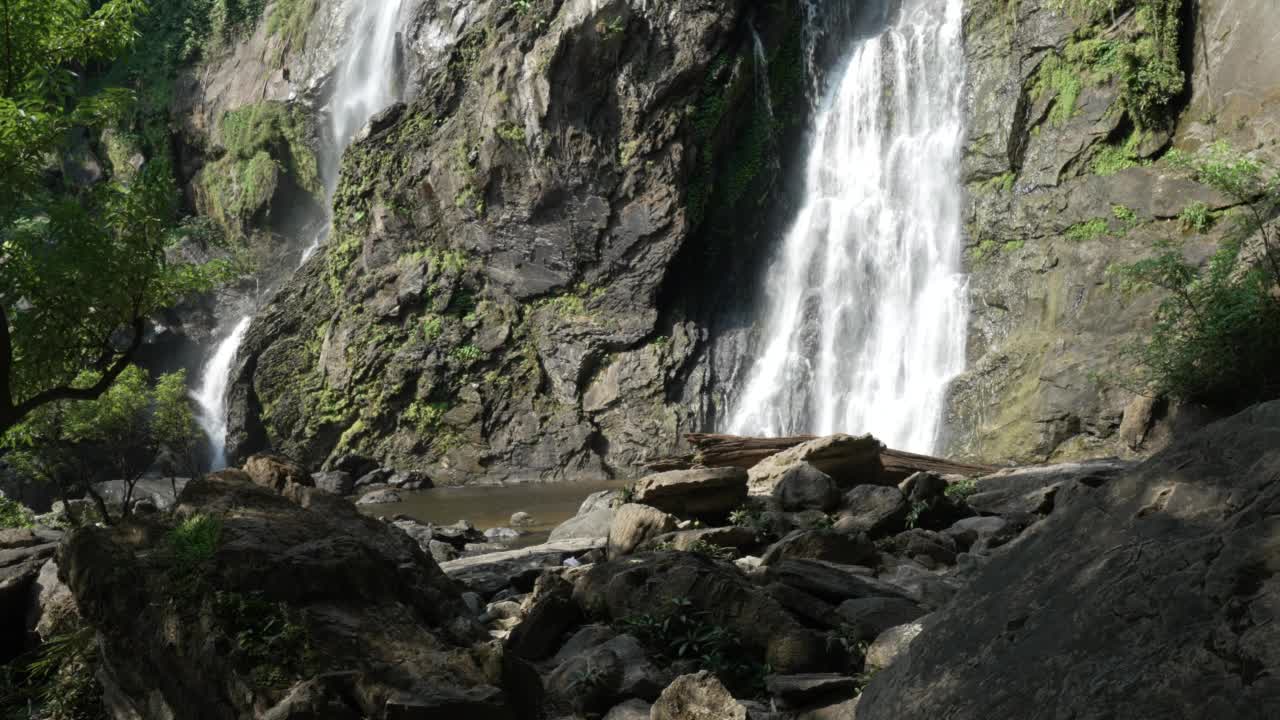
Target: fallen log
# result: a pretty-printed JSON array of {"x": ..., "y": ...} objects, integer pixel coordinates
[{"x": 715, "y": 450}]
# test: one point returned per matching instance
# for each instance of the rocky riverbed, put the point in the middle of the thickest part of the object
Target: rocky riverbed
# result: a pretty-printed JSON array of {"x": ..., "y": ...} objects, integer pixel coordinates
[{"x": 1106, "y": 588}]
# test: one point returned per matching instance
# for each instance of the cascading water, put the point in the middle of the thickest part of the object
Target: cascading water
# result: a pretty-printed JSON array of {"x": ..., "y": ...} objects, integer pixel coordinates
[
  {"x": 367, "y": 80},
  {"x": 866, "y": 306},
  {"x": 212, "y": 393}
]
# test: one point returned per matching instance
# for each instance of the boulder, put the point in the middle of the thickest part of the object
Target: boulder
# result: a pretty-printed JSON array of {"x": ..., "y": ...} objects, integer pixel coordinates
[
  {"x": 647, "y": 584},
  {"x": 1031, "y": 490},
  {"x": 919, "y": 584},
  {"x": 379, "y": 497},
  {"x": 548, "y": 612},
  {"x": 804, "y": 487},
  {"x": 585, "y": 638},
  {"x": 276, "y": 472},
  {"x": 847, "y": 459},
  {"x": 588, "y": 682},
  {"x": 298, "y": 574},
  {"x": 409, "y": 480},
  {"x": 869, "y": 617},
  {"x": 830, "y": 581},
  {"x": 696, "y": 492},
  {"x": 458, "y": 534},
  {"x": 922, "y": 487},
  {"x": 891, "y": 644},
  {"x": 810, "y": 688},
  {"x": 334, "y": 481},
  {"x": 1152, "y": 594},
  {"x": 522, "y": 519},
  {"x": 873, "y": 509},
  {"x": 722, "y": 537},
  {"x": 501, "y": 534},
  {"x": 981, "y": 534},
  {"x": 633, "y": 709},
  {"x": 829, "y": 545},
  {"x": 633, "y": 524},
  {"x": 487, "y": 574},
  {"x": 52, "y": 608},
  {"x": 23, "y": 552},
  {"x": 697, "y": 697},
  {"x": 926, "y": 547},
  {"x": 808, "y": 608},
  {"x": 593, "y": 524}
]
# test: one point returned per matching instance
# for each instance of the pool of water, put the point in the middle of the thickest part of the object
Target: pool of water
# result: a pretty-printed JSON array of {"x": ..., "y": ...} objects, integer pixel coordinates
[{"x": 488, "y": 506}]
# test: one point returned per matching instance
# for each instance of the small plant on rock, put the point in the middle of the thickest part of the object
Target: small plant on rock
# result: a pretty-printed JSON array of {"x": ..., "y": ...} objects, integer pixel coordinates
[
  {"x": 13, "y": 514},
  {"x": 960, "y": 490}
]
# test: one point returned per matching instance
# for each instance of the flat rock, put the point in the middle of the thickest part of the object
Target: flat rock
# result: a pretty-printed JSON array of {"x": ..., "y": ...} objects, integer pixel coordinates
[
  {"x": 847, "y": 459},
  {"x": 868, "y": 617},
  {"x": 1032, "y": 490},
  {"x": 592, "y": 524},
  {"x": 696, "y": 492},
  {"x": 828, "y": 544},
  {"x": 722, "y": 537},
  {"x": 830, "y": 581},
  {"x": 892, "y": 643},
  {"x": 810, "y": 688},
  {"x": 487, "y": 574},
  {"x": 379, "y": 497}
]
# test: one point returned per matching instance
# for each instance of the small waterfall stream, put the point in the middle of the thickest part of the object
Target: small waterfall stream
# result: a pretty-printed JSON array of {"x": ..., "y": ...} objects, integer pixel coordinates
[
  {"x": 366, "y": 81},
  {"x": 865, "y": 307}
]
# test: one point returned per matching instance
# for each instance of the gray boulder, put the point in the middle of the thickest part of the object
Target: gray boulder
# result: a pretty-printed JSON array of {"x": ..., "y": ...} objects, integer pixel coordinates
[
  {"x": 334, "y": 481},
  {"x": 633, "y": 524},
  {"x": 697, "y": 697},
  {"x": 696, "y": 492},
  {"x": 871, "y": 616},
  {"x": 892, "y": 643},
  {"x": 379, "y": 497},
  {"x": 829, "y": 545},
  {"x": 804, "y": 487},
  {"x": 848, "y": 459},
  {"x": 874, "y": 509}
]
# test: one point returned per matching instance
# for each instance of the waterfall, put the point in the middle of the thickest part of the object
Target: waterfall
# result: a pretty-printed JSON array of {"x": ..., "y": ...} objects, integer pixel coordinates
[
  {"x": 865, "y": 305},
  {"x": 366, "y": 81},
  {"x": 760, "y": 69},
  {"x": 211, "y": 396}
]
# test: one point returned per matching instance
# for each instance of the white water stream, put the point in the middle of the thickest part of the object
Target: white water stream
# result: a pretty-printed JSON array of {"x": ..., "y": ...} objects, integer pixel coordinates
[
  {"x": 366, "y": 81},
  {"x": 865, "y": 310}
]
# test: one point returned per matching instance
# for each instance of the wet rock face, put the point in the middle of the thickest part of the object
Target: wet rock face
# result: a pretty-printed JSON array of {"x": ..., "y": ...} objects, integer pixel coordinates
[
  {"x": 1050, "y": 210},
  {"x": 1151, "y": 595},
  {"x": 504, "y": 296}
]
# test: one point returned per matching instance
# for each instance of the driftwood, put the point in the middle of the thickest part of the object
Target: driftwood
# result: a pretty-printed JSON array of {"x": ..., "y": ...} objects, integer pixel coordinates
[{"x": 734, "y": 450}]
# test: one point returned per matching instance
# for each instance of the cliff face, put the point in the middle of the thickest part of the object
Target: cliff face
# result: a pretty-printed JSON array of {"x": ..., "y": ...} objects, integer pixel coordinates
[
  {"x": 523, "y": 256},
  {"x": 543, "y": 265},
  {"x": 1065, "y": 181}
]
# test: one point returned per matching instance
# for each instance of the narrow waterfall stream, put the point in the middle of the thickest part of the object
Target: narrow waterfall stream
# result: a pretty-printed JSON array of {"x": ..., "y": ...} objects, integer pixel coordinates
[
  {"x": 366, "y": 80},
  {"x": 865, "y": 307}
]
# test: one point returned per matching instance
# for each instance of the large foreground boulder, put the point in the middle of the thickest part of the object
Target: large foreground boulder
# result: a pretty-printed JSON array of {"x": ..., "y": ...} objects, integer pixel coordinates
[
  {"x": 700, "y": 491},
  {"x": 253, "y": 604},
  {"x": 1151, "y": 595}
]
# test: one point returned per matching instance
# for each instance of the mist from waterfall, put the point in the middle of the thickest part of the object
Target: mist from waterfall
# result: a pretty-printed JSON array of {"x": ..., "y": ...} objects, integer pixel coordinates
[
  {"x": 865, "y": 309},
  {"x": 366, "y": 81}
]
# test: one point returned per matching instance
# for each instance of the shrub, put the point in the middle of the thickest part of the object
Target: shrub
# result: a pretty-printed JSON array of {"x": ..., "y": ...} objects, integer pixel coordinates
[
  {"x": 13, "y": 514},
  {"x": 1197, "y": 216},
  {"x": 961, "y": 489},
  {"x": 680, "y": 632},
  {"x": 1217, "y": 332},
  {"x": 1088, "y": 230},
  {"x": 194, "y": 541}
]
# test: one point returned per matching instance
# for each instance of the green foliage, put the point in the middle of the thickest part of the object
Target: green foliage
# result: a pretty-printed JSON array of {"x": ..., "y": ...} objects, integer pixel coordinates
[
  {"x": 264, "y": 143},
  {"x": 269, "y": 639},
  {"x": 424, "y": 416},
  {"x": 1144, "y": 60},
  {"x": 1198, "y": 217},
  {"x": 13, "y": 514},
  {"x": 918, "y": 508},
  {"x": 432, "y": 326},
  {"x": 1000, "y": 183},
  {"x": 960, "y": 490},
  {"x": 195, "y": 540},
  {"x": 1126, "y": 216},
  {"x": 173, "y": 425},
  {"x": 988, "y": 249},
  {"x": 1088, "y": 230},
  {"x": 59, "y": 680},
  {"x": 1217, "y": 332},
  {"x": 466, "y": 354},
  {"x": 289, "y": 20},
  {"x": 681, "y": 633},
  {"x": 715, "y": 552},
  {"x": 1111, "y": 159},
  {"x": 511, "y": 132}
]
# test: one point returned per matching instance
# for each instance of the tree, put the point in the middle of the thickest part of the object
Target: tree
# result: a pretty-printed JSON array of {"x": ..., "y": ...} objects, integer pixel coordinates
[
  {"x": 118, "y": 425},
  {"x": 80, "y": 268},
  {"x": 175, "y": 430}
]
